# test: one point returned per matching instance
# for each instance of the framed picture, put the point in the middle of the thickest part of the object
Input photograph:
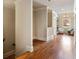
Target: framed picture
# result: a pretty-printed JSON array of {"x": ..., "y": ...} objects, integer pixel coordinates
[{"x": 66, "y": 21}]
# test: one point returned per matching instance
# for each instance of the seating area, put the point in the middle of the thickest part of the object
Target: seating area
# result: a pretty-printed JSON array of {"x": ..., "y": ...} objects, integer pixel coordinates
[{"x": 68, "y": 32}]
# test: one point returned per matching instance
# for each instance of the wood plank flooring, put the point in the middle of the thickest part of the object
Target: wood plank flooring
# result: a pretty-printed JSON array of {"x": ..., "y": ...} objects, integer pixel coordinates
[
  {"x": 58, "y": 48},
  {"x": 61, "y": 47}
]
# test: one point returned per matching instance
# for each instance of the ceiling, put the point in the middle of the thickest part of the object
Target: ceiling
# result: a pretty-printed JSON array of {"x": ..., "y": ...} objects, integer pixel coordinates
[{"x": 58, "y": 5}]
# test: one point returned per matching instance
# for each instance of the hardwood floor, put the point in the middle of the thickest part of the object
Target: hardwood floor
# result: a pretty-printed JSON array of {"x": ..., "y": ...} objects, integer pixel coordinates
[
  {"x": 61, "y": 47},
  {"x": 58, "y": 48},
  {"x": 37, "y": 44}
]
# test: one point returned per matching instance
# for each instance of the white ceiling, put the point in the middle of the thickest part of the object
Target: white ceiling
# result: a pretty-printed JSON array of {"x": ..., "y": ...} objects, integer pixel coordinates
[
  {"x": 63, "y": 4},
  {"x": 57, "y": 5}
]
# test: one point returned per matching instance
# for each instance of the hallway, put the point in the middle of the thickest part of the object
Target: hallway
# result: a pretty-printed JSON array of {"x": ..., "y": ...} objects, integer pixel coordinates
[{"x": 59, "y": 48}]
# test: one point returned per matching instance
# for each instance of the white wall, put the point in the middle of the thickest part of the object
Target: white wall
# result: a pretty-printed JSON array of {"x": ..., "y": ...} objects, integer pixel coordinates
[
  {"x": 54, "y": 22},
  {"x": 50, "y": 27},
  {"x": 34, "y": 24},
  {"x": 41, "y": 23},
  {"x": 52, "y": 31},
  {"x": 23, "y": 26},
  {"x": 8, "y": 25}
]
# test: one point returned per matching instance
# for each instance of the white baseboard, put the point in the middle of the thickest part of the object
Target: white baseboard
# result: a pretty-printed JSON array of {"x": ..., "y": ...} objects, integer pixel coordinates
[
  {"x": 40, "y": 38},
  {"x": 30, "y": 48},
  {"x": 9, "y": 53},
  {"x": 23, "y": 50}
]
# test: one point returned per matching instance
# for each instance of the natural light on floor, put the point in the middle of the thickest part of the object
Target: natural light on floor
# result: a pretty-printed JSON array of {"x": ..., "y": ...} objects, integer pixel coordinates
[{"x": 66, "y": 43}]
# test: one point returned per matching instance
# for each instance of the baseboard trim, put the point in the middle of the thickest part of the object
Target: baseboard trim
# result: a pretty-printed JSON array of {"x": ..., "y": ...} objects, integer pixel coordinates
[
  {"x": 23, "y": 50},
  {"x": 8, "y": 53},
  {"x": 40, "y": 38},
  {"x": 30, "y": 48}
]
